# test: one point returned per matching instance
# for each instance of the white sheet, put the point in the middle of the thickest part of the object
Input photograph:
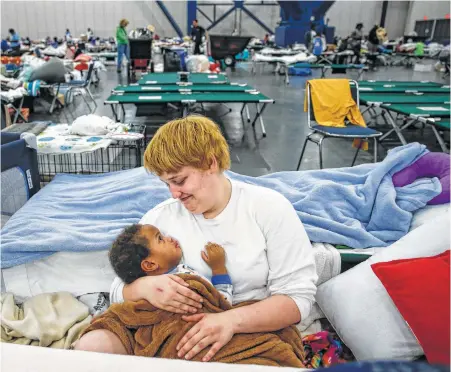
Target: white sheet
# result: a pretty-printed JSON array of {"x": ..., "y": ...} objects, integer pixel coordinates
[
  {"x": 19, "y": 358},
  {"x": 288, "y": 60}
]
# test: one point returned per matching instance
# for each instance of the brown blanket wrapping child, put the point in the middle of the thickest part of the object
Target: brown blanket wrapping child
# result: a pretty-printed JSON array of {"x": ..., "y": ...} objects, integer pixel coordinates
[{"x": 147, "y": 331}]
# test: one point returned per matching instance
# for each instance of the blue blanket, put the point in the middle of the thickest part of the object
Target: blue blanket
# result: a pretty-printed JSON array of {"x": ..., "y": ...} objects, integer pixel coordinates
[{"x": 358, "y": 206}]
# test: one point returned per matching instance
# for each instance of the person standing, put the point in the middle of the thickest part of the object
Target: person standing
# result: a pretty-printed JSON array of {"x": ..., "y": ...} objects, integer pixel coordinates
[
  {"x": 356, "y": 37},
  {"x": 197, "y": 33},
  {"x": 14, "y": 39},
  {"x": 89, "y": 34},
  {"x": 122, "y": 43},
  {"x": 309, "y": 36},
  {"x": 373, "y": 39},
  {"x": 68, "y": 36}
]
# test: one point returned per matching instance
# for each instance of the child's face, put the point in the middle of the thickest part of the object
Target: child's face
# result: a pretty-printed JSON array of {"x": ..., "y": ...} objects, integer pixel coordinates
[{"x": 165, "y": 252}]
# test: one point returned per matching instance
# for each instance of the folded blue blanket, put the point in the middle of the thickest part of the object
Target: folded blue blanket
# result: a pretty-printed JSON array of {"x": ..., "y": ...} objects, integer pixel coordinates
[{"x": 358, "y": 207}]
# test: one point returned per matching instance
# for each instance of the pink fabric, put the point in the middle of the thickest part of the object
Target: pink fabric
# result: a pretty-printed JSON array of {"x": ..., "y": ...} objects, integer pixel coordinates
[
  {"x": 433, "y": 164},
  {"x": 83, "y": 58}
]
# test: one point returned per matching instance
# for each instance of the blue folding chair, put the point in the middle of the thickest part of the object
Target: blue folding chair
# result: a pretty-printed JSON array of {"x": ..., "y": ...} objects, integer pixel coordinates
[
  {"x": 83, "y": 87},
  {"x": 320, "y": 132}
]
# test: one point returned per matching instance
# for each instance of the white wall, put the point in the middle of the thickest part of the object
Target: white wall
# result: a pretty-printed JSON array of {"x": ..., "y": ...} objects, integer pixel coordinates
[
  {"x": 396, "y": 18},
  {"x": 40, "y": 19},
  {"x": 344, "y": 15},
  {"x": 431, "y": 9}
]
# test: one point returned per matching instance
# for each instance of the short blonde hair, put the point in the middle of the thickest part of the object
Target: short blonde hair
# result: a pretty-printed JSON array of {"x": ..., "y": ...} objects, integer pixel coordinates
[
  {"x": 190, "y": 141},
  {"x": 124, "y": 22}
]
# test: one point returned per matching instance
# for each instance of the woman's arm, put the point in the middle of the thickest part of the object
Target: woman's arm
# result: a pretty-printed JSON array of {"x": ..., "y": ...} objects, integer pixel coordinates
[{"x": 264, "y": 316}]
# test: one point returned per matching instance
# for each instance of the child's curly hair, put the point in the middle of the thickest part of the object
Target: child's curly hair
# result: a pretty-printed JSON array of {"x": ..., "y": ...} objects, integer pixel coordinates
[{"x": 127, "y": 253}]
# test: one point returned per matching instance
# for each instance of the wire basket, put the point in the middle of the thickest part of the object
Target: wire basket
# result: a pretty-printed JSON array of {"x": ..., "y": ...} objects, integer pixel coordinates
[{"x": 119, "y": 155}]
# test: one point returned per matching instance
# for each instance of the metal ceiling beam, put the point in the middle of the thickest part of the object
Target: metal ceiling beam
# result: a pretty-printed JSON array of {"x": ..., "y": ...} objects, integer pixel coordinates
[
  {"x": 205, "y": 15},
  {"x": 224, "y": 16},
  {"x": 171, "y": 20},
  {"x": 238, "y": 4},
  {"x": 262, "y": 25}
]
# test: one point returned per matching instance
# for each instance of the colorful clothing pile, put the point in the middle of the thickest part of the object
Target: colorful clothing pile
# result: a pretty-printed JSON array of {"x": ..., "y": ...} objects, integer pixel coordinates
[{"x": 322, "y": 349}]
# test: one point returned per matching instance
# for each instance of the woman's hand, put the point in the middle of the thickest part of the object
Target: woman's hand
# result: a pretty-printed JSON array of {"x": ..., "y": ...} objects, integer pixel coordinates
[
  {"x": 211, "y": 329},
  {"x": 166, "y": 292}
]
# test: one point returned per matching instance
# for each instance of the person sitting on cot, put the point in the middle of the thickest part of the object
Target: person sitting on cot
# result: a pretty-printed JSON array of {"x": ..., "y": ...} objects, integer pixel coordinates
[{"x": 142, "y": 250}]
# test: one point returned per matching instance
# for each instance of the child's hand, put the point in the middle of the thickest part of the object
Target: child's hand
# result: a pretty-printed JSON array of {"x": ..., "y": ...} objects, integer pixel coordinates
[{"x": 215, "y": 258}]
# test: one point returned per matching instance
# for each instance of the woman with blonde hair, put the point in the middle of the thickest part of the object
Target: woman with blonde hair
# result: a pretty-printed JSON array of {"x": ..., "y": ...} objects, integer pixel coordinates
[
  {"x": 122, "y": 43},
  {"x": 269, "y": 256}
]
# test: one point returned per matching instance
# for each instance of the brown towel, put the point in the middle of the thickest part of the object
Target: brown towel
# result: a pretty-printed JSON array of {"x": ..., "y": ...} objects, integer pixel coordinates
[{"x": 147, "y": 331}]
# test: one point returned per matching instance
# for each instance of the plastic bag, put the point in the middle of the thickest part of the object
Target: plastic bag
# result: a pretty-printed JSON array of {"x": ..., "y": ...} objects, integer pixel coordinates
[{"x": 198, "y": 63}]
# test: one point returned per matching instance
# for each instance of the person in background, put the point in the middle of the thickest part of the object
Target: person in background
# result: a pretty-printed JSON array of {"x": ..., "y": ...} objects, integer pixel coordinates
[
  {"x": 89, "y": 34},
  {"x": 317, "y": 45},
  {"x": 373, "y": 39},
  {"x": 27, "y": 41},
  {"x": 309, "y": 36},
  {"x": 266, "y": 39},
  {"x": 5, "y": 45},
  {"x": 14, "y": 39},
  {"x": 67, "y": 35},
  {"x": 197, "y": 33},
  {"x": 122, "y": 43},
  {"x": 357, "y": 36},
  {"x": 55, "y": 42}
]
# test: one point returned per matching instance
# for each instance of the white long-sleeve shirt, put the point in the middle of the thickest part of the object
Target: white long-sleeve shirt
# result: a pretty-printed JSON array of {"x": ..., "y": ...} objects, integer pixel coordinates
[{"x": 267, "y": 249}]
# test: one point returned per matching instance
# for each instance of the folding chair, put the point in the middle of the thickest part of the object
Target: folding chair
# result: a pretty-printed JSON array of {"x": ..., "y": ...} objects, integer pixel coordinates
[
  {"x": 16, "y": 106},
  {"x": 81, "y": 86},
  {"x": 320, "y": 132}
]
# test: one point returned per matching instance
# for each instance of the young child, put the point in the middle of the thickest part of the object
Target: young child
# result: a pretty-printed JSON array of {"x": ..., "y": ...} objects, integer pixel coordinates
[{"x": 142, "y": 250}]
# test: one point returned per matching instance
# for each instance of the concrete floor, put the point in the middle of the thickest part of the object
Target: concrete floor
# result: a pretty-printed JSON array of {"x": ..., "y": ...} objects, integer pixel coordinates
[{"x": 285, "y": 121}]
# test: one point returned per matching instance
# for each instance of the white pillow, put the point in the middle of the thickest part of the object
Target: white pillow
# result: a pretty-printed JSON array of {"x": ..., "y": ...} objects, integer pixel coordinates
[
  {"x": 427, "y": 213},
  {"x": 359, "y": 308},
  {"x": 76, "y": 272}
]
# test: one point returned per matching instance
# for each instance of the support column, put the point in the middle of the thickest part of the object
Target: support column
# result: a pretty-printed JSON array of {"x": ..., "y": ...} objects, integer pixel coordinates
[
  {"x": 384, "y": 13},
  {"x": 191, "y": 7}
]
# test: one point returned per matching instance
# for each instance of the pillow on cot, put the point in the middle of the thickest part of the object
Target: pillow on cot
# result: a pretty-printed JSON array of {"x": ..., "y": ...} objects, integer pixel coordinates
[
  {"x": 419, "y": 288},
  {"x": 51, "y": 72},
  {"x": 433, "y": 164},
  {"x": 83, "y": 58}
]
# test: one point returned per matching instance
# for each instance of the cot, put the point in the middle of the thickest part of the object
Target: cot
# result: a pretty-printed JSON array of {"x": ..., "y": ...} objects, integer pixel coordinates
[
  {"x": 369, "y": 99},
  {"x": 136, "y": 88},
  {"x": 394, "y": 83},
  {"x": 183, "y": 78},
  {"x": 185, "y": 101},
  {"x": 435, "y": 116},
  {"x": 445, "y": 89},
  {"x": 407, "y": 59},
  {"x": 416, "y": 106},
  {"x": 326, "y": 67}
]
